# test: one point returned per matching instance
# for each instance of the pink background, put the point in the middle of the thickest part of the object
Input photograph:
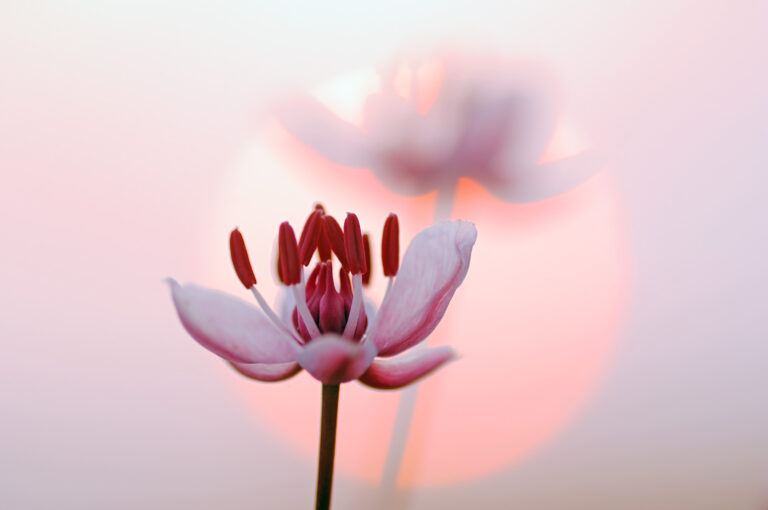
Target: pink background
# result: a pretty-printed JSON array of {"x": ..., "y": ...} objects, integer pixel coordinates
[{"x": 123, "y": 131}]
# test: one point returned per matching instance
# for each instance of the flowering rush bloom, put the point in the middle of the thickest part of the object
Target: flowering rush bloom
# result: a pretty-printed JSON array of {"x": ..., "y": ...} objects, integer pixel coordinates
[
  {"x": 326, "y": 326},
  {"x": 487, "y": 120}
]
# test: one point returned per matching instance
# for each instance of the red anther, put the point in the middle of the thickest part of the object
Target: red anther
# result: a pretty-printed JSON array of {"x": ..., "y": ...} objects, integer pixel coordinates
[
  {"x": 336, "y": 239},
  {"x": 323, "y": 244},
  {"x": 353, "y": 242},
  {"x": 288, "y": 255},
  {"x": 240, "y": 259},
  {"x": 279, "y": 269},
  {"x": 319, "y": 207},
  {"x": 390, "y": 246},
  {"x": 309, "y": 236},
  {"x": 367, "y": 246}
]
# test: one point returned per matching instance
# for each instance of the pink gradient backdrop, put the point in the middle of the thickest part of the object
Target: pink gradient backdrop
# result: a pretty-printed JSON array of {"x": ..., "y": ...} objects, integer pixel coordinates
[{"x": 123, "y": 129}]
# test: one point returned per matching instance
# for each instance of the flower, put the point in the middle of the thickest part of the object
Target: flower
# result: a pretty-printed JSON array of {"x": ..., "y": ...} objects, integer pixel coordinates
[
  {"x": 333, "y": 332},
  {"x": 490, "y": 121}
]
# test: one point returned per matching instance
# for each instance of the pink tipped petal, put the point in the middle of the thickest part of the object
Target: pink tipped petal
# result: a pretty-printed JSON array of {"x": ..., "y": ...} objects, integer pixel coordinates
[
  {"x": 390, "y": 374},
  {"x": 326, "y": 133},
  {"x": 266, "y": 372},
  {"x": 230, "y": 327},
  {"x": 332, "y": 359},
  {"x": 434, "y": 265}
]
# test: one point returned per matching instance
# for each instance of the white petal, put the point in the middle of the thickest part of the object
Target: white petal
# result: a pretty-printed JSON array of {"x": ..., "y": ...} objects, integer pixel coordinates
[
  {"x": 230, "y": 327},
  {"x": 394, "y": 373},
  {"x": 434, "y": 265}
]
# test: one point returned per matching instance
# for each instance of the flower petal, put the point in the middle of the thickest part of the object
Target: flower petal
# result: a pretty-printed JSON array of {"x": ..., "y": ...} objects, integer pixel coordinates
[
  {"x": 230, "y": 327},
  {"x": 332, "y": 359},
  {"x": 267, "y": 372},
  {"x": 390, "y": 374},
  {"x": 326, "y": 133},
  {"x": 520, "y": 183},
  {"x": 433, "y": 267}
]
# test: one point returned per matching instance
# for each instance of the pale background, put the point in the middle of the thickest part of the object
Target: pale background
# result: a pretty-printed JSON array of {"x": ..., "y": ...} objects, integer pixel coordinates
[{"x": 123, "y": 126}]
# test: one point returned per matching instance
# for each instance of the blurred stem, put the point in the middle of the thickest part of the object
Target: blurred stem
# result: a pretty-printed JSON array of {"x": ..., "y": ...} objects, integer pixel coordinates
[
  {"x": 446, "y": 196},
  {"x": 329, "y": 413},
  {"x": 444, "y": 202}
]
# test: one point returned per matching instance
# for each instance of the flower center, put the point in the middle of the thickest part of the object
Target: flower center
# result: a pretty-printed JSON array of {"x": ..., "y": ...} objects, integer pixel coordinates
[
  {"x": 330, "y": 308},
  {"x": 322, "y": 306}
]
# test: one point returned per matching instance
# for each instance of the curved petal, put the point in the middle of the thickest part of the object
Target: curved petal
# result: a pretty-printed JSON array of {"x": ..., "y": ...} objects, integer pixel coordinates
[
  {"x": 433, "y": 267},
  {"x": 530, "y": 183},
  {"x": 390, "y": 374},
  {"x": 324, "y": 132},
  {"x": 332, "y": 359},
  {"x": 267, "y": 372},
  {"x": 230, "y": 327}
]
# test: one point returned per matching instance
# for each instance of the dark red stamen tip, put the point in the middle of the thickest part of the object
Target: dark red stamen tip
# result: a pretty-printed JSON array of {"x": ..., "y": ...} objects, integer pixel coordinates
[
  {"x": 353, "y": 242},
  {"x": 367, "y": 247},
  {"x": 240, "y": 259},
  {"x": 336, "y": 239},
  {"x": 288, "y": 255},
  {"x": 319, "y": 207},
  {"x": 309, "y": 236},
  {"x": 390, "y": 246},
  {"x": 323, "y": 244}
]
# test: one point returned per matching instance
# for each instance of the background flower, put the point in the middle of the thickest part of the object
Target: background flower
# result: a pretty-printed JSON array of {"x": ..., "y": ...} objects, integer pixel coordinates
[{"x": 128, "y": 146}]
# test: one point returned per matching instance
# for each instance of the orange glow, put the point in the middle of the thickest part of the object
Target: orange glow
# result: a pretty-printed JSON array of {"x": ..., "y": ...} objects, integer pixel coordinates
[{"x": 534, "y": 322}]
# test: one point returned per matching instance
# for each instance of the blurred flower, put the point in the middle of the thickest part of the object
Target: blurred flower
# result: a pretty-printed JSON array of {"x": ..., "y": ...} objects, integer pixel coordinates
[
  {"x": 431, "y": 124},
  {"x": 335, "y": 334}
]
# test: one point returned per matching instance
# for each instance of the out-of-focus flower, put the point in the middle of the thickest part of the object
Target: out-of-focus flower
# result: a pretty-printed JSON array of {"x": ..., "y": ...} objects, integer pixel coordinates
[
  {"x": 331, "y": 332},
  {"x": 430, "y": 125}
]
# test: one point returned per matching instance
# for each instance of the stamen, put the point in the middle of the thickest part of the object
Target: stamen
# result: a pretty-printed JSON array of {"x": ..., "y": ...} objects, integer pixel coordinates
[
  {"x": 356, "y": 308},
  {"x": 323, "y": 244},
  {"x": 288, "y": 255},
  {"x": 309, "y": 236},
  {"x": 390, "y": 245},
  {"x": 273, "y": 316},
  {"x": 304, "y": 313},
  {"x": 240, "y": 259},
  {"x": 353, "y": 242},
  {"x": 336, "y": 239},
  {"x": 319, "y": 207},
  {"x": 367, "y": 247}
]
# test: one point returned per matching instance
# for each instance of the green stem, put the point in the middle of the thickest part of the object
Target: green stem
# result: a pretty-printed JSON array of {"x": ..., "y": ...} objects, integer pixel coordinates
[{"x": 329, "y": 413}]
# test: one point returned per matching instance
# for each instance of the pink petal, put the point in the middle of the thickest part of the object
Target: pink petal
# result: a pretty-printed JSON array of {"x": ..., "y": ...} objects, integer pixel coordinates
[
  {"x": 266, "y": 372},
  {"x": 390, "y": 374},
  {"x": 332, "y": 359},
  {"x": 230, "y": 327},
  {"x": 326, "y": 133},
  {"x": 433, "y": 267}
]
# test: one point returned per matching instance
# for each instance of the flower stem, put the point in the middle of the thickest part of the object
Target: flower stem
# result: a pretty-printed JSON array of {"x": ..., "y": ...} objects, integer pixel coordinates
[{"x": 329, "y": 413}]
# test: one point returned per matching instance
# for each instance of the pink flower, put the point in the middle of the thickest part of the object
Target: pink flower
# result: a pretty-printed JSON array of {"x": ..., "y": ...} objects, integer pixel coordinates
[
  {"x": 332, "y": 331},
  {"x": 490, "y": 121}
]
